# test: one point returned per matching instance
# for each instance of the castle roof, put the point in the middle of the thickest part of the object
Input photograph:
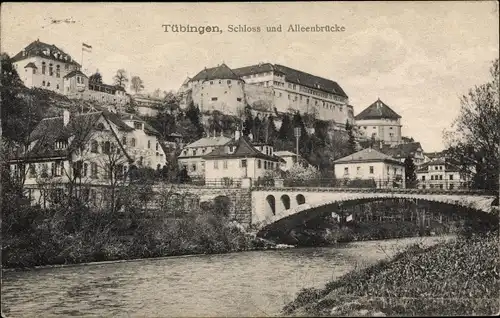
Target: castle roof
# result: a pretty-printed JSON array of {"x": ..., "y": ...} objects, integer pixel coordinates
[
  {"x": 377, "y": 110},
  {"x": 219, "y": 72}
]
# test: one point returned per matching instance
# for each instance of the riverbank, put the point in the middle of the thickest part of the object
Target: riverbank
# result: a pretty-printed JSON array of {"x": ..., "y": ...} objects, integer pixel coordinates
[{"x": 459, "y": 277}]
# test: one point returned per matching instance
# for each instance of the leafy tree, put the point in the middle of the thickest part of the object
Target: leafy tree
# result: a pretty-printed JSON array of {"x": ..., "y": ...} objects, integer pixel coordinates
[
  {"x": 475, "y": 139},
  {"x": 351, "y": 145},
  {"x": 248, "y": 125},
  {"x": 194, "y": 115},
  {"x": 136, "y": 84},
  {"x": 96, "y": 77},
  {"x": 285, "y": 132},
  {"x": 121, "y": 78},
  {"x": 410, "y": 173}
]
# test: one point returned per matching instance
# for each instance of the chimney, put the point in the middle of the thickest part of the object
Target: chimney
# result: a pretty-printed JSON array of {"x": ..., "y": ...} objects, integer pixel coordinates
[{"x": 65, "y": 117}]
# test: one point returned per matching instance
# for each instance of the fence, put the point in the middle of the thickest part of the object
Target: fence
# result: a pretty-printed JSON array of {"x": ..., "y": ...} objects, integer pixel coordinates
[{"x": 346, "y": 183}]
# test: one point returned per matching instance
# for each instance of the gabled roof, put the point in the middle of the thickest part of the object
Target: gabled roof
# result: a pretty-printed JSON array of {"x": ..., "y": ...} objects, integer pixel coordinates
[
  {"x": 377, "y": 110},
  {"x": 37, "y": 48},
  {"x": 209, "y": 142},
  {"x": 254, "y": 69},
  {"x": 148, "y": 129},
  {"x": 367, "y": 155},
  {"x": 50, "y": 130},
  {"x": 219, "y": 72},
  {"x": 74, "y": 73},
  {"x": 309, "y": 80},
  {"x": 402, "y": 150},
  {"x": 30, "y": 64},
  {"x": 244, "y": 149},
  {"x": 448, "y": 166}
]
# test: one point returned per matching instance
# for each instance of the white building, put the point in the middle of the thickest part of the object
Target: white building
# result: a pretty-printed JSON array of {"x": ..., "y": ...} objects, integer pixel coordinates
[
  {"x": 380, "y": 122},
  {"x": 238, "y": 160},
  {"x": 370, "y": 164},
  {"x": 96, "y": 148},
  {"x": 191, "y": 156},
  {"x": 440, "y": 174},
  {"x": 289, "y": 159},
  {"x": 46, "y": 66},
  {"x": 267, "y": 87}
]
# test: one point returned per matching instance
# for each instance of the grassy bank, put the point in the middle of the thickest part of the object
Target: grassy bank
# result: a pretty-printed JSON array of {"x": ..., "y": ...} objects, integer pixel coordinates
[
  {"x": 70, "y": 234},
  {"x": 460, "y": 277}
]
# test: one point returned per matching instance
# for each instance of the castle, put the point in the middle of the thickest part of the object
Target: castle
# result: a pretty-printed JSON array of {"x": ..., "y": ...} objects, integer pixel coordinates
[{"x": 267, "y": 88}]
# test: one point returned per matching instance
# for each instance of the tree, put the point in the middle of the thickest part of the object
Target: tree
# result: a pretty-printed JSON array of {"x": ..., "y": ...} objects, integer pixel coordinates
[
  {"x": 96, "y": 77},
  {"x": 157, "y": 92},
  {"x": 475, "y": 138},
  {"x": 194, "y": 115},
  {"x": 121, "y": 78},
  {"x": 136, "y": 84},
  {"x": 410, "y": 173},
  {"x": 351, "y": 144}
]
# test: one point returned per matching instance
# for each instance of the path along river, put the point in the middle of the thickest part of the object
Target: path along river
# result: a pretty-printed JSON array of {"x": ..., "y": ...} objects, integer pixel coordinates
[{"x": 257, "y": 283}]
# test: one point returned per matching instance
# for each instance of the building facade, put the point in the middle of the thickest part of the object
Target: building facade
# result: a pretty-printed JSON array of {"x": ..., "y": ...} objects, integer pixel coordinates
[
  {"x": 238, "y": 160},
  {"x": 370, "y": 164},
  {"x": 379, "y": 121},
  {"x": 268, "y": 88},
  {"x": 191, "y": 156},
  {"x": 42, "y": 65},
  {"x": 96, "y": 148},
  {"x": 147, "y": 105},
  {"x": 441, "y": 174}
]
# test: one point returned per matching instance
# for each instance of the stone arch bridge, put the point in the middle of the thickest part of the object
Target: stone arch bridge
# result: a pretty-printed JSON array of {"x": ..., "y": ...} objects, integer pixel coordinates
[
  {"x": 271, "y": 206},
  {"x": 262, "y": 207}
]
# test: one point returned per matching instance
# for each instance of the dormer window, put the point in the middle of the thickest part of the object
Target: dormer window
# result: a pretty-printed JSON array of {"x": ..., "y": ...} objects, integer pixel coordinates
[
  {"x": 137, "y": 125},
  {"x": 61, "y": 144}
]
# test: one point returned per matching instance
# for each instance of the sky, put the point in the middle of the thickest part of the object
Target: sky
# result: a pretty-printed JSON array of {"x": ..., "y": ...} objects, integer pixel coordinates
[{"x": 417, "y": 57}]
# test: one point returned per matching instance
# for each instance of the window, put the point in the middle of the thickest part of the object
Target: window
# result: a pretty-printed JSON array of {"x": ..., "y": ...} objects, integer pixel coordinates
[
  {"x": 43, "y": 68},
  {"x": 440, "y": 167},
  {"x": 225, "y": 164},
  {"x": 57, "y": 86},
  {"x": 435, "y": 167},
  {"x": 32, "y": 170},
  {"x": 259, "y": 164},
  {"x": 229, "y": 81},
  {"x": 58, "y": 71},
  {"x": 193, "y": 167},
  {"x": 214, "y": 98},
  {"x": 106, "y": 147},
  {"x": 34, "y": 71},
  {"x": 48, "y": 84},
  {"x": 216, "y": 164},
  {"x": 440, "y": 177},
  {"x": 149, "y": 144},
  {"x": 194, "y": 152},
  {"x": 265, "y": 164},
  {"x": 66, "y": 66},
  {"x": 93, "y": 170},
  {"x": 85, "y": 168},
  {"x": 371, "y": 169},
  {"x": 94, "y": 146},
  {"x": 238, "y": 99},
  {"x": 124, "y": 141},
  {"x": 346, "y": 170},
  {"x": 211, "y": 82},
  {"x": 137, "y": 125},
  {"x": 51, "y": 70},
  {"x": 432, "y": 177},
  {"x": 451, "y": 186},
  {"x": 440, "y": 186},
  {"x": 132, "y": 142},
  {"x": 451, "y": 177},
  {"x": 423, "y": 178},
  {"x": 244, "y": 163},
  {"x": 57, "y": 168},
  {"x": 156, "y": 146}
]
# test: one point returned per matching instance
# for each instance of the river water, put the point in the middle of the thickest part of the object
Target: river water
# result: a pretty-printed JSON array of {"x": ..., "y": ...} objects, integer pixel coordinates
[{"x": 257, "y": 283}]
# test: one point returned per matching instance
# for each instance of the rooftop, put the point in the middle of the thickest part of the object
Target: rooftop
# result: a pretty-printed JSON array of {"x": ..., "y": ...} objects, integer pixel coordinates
[
  {"x": 244, "y": 149},
  {"x": 219, "y": 72},
  {"x": 50, "y": 51},
  {"x": 209, "y": 142},
  {"x": 377, "y": 110},
  {"x": 402, "y": 150},
  {"x": 367, "y": 155}
]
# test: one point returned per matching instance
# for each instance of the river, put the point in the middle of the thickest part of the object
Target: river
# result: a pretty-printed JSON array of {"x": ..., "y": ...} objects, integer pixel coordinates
[{"x": 256, "y": 283}]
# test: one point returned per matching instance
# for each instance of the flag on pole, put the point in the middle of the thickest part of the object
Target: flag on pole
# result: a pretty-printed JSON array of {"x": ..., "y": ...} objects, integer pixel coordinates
[
  {"x": 86, "y": 47},
  {"x": 349, "y": 218}
]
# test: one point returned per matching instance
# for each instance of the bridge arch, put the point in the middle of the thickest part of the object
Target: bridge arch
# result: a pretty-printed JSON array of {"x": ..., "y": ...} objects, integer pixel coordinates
[
  {"x": 285, "y": 201},
  {"x": 288, "y": 218},
  {"x": 300, "y": 199},
  {"x": 271, "y": 204}
]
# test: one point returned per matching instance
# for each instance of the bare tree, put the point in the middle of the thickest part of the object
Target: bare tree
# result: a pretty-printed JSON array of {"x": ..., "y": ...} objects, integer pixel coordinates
[
  {"x": 121, "y": 78},
  {"x": 136, "y": 84}
]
